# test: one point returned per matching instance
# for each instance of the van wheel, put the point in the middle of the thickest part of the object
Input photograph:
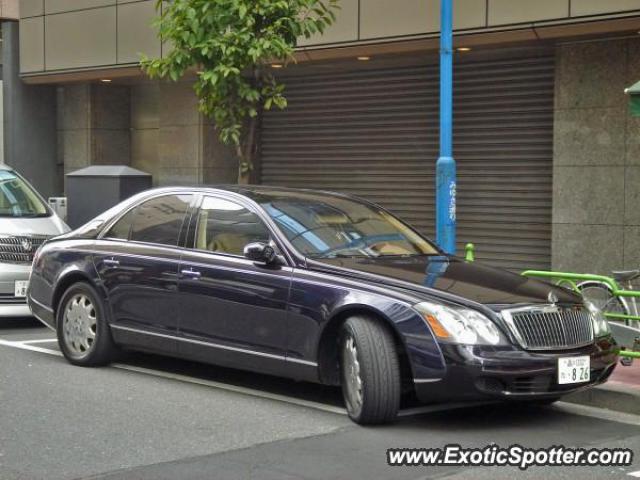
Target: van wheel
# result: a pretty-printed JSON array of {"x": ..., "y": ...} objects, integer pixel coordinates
[
  {"x": 370, "y": 371},
  {"x": 83, "y": 333}
]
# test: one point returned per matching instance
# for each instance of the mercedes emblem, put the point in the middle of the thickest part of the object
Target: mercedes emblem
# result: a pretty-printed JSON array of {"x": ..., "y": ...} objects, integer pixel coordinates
[
  {"x": 27, "y": 246},
  {"x": 552, "y": 297}
]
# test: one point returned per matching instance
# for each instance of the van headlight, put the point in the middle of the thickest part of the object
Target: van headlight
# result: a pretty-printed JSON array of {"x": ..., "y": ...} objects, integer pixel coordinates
[
  {"x": 460, "y": 325},
  {"x": 598, "y": 320}
]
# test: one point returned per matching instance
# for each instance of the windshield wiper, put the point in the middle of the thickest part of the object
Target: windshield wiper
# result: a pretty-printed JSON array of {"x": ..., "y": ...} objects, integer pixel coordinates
[
  {"x": 340, "y": 255},
  {"x": 406, "y": 255}
]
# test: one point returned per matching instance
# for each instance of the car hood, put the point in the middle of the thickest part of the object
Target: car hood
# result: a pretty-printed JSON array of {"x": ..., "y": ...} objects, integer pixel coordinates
[
  {"x": 50, "y": 226},
  {"x": 454, "y": 276}
]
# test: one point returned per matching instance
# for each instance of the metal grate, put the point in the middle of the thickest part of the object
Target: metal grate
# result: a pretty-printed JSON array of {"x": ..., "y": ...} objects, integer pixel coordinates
[
  {"x": 10, "y": 299},
  {"x": 550, "y": 328},
  {"x": 20, "y": 249},
  {"x": 374, "y": 133}
]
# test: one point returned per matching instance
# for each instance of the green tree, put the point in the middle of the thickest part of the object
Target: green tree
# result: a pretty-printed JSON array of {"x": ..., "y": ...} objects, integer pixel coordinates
[{"x": 231, "y": 44}]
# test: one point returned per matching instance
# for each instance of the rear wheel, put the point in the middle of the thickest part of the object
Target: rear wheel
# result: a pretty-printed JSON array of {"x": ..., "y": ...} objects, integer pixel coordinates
[
  {"x": 83, "y": 334},
  {"x": 370, "y": 371}
]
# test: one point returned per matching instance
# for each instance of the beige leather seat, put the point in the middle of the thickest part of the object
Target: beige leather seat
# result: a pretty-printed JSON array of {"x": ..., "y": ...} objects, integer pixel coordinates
[{"x": 227, "y": 243}]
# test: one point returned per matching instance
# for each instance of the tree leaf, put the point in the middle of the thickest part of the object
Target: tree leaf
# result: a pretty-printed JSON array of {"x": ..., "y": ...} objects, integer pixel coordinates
[{"x": 228, "y": 43}]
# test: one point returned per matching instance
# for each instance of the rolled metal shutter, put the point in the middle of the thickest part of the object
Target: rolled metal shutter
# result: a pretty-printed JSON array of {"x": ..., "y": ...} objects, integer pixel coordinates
[{"x": 374, "y": 133}]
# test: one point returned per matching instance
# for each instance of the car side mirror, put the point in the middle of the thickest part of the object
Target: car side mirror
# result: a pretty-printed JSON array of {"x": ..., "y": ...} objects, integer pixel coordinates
[{"x": 260, "y": 252}]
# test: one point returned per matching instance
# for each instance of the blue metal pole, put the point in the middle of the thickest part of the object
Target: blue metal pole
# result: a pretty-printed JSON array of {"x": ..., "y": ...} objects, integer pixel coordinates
[{"x": 446, "y": 165}]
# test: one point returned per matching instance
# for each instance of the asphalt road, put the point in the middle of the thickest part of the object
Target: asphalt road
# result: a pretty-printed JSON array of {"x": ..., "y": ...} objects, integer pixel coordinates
[{"x": 153, "y": 418}]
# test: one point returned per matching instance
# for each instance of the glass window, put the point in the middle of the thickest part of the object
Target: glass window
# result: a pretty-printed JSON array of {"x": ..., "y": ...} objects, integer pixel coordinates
[
  {"x": 17, "y": 198},
  {"x": 158, "y": 220},
  {"x": 122, "y": 227},
  {"x": 227, "y": 227},
  {"x": 329, "y": 226}
]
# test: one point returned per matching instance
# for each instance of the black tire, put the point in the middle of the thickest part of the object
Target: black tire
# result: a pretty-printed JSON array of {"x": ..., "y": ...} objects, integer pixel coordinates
[
  {"x": 378, "y": 371},
  {"x": 101, "y": 349}
]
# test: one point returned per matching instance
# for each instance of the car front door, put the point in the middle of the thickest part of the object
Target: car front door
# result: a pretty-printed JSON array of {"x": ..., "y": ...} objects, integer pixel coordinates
[
  {"x": 138, "y": 261},
  {"x": 232, "y": 310}
]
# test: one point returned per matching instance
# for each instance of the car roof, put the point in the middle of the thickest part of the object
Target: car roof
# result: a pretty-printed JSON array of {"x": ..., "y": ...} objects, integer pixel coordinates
[{"x": 261, "y": 192}]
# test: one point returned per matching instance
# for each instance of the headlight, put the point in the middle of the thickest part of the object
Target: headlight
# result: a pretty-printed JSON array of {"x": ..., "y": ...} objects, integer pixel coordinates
[
  {"x": 460, "y": 325},
  {"x": 598, "y": 320}
]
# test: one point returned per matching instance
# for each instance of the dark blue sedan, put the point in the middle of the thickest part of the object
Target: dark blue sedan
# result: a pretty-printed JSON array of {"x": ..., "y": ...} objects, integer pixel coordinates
[{"x": 314, "y": 286}]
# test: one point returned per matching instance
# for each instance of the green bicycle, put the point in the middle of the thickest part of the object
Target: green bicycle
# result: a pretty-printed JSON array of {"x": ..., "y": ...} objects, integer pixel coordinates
[{"x": 609, "y": 299}]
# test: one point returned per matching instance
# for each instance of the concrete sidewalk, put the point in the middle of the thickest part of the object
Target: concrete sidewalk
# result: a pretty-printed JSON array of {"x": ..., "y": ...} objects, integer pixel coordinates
[{"x": 621, "y": 393}]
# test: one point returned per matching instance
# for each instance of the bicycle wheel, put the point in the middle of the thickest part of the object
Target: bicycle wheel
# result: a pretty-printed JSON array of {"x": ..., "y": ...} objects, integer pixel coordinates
[{"x": 600, "y": 295}]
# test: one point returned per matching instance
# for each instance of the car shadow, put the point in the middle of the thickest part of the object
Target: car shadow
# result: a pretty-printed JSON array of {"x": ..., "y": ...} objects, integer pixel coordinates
[
  {"x": 29, "y": 323},
  {"x": 238, "y": 378},
  {"x": 508, "y": 417},
  {"x": 448, "y": 416}
]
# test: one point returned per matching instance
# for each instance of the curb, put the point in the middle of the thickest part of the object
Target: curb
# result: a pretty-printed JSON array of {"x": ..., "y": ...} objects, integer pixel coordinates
[{"x": 614, "y": 396}]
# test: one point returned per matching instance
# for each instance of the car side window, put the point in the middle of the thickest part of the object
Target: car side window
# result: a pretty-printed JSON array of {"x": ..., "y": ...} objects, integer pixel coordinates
[
  {"x": 160, "y": 219},
  {"x": 121, "y": 229},
  {"x": 227, "y": 227}
]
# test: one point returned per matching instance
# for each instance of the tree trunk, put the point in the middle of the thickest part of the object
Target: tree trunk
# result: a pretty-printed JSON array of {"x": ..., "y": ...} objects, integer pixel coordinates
[
  {"x": 243, "y": 174},
  {"x": 247, "y": 155}
]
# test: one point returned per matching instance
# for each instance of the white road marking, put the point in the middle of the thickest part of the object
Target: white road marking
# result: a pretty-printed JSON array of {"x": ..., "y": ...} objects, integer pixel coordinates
[
  {"x": 635, "y": 474},
  {"x": 31, "y": 348},
  {"x": 44, "y": 340}
]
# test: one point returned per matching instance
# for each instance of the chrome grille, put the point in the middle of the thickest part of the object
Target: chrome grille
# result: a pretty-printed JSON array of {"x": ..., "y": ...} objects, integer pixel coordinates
[
  {"x": 20, "y": 248},
  {"x": 550, "y": 327}
]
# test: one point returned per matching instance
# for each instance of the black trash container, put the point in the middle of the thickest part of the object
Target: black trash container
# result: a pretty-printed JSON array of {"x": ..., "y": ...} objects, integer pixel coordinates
[{"x": 92, "y": 190}]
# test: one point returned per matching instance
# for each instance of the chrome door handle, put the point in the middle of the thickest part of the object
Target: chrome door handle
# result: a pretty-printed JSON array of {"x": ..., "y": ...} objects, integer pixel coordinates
[
  {"x": 110, "y": 262},
  {"x": 191, "y": 273}
]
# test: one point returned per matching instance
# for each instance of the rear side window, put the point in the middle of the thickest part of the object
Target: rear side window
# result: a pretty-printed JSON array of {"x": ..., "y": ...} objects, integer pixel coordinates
[
  {"x": 158, "y": 220},
  {"x": 227, "y": 227}
]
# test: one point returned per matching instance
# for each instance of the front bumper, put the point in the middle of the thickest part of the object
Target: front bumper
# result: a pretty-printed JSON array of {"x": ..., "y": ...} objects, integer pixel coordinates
[
  {"x": 480, "y": 372},
  {"x": 15, "y": 310},
  {"x": 11, "y": 306}
]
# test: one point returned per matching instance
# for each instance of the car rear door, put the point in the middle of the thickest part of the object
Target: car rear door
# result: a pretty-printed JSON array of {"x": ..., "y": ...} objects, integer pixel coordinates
[
  {"x": 232, "y": 310},
  {"x": 138, "y": 261}
]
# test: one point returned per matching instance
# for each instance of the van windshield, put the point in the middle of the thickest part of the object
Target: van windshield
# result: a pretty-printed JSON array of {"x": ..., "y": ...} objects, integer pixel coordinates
[{"x": 17, "y": 198}]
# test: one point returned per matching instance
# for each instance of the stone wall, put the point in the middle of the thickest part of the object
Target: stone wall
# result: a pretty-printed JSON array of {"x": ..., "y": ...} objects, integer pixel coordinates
[
  {"x": 152, "y": 126},
  {"x": 596, "y": 185},
  {"x": 171, "y": 140},
  {"x": 29, "y": 120},
  {"x": 93, "y": 125}
]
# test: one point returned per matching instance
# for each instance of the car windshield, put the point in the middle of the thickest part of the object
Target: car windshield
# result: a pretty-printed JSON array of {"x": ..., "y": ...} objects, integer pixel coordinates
[
  {"x": 330, "y": 226},
  {"x": 17, "y": 198}
]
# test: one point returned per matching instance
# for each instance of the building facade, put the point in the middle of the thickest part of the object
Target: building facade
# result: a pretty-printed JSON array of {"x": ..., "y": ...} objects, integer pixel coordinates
[{"x": 548, "y": 156}]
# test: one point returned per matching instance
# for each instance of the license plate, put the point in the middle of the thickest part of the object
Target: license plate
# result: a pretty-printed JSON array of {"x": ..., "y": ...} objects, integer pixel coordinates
[
  {"x": 574, "y": 370},
  {"x": 21, "y": 288}
]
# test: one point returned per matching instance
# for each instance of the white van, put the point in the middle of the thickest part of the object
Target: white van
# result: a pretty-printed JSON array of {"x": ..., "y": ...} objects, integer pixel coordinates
[{"x": 26, "y": 221}]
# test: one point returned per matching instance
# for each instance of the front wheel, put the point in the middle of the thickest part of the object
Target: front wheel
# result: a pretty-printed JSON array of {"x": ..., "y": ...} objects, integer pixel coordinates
[
  {"x": 370, "y": 371},
  {"x": 83, "y": 333}
]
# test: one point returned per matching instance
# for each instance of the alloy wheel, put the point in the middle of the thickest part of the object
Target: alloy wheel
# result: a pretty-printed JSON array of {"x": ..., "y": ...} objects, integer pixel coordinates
[
  {"x": 79, "y": 325},
  {"x": 351, "y": 378}
]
